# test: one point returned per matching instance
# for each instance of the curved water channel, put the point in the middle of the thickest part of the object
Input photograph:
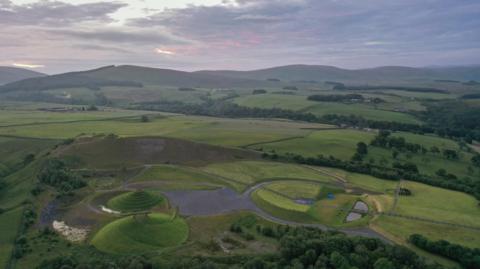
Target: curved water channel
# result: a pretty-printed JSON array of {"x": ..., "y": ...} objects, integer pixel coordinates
[
  {"x": 209, "y": 203},
  {"x": 224, "y": 200}
]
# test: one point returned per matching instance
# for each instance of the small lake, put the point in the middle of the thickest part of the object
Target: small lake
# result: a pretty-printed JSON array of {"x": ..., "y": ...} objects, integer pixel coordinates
[{"x": 209, "y": 202}]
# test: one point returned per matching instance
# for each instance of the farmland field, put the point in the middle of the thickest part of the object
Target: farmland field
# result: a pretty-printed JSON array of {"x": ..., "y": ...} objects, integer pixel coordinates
[{"x": 166, "y": 185}]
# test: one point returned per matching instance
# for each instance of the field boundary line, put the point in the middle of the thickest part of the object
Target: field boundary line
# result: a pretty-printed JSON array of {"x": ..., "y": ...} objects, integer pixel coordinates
[
  {"x": 324, "y": 172},
  {"x": 68, "y": 122},
  {"x": 273, "y": 141},
  {"x": 430, "y": 220}
]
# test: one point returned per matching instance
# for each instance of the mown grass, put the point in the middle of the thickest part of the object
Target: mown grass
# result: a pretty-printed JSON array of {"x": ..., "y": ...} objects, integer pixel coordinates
[
  {"x": 402, "y": 228},
  {"x": 439, "y": 204},
  {"x": 250, "y": 172},
  {"x": 301, "y": 103},
  {"x": 371, "y": 183},
  {"x": 280, "y": 201},
  {"x": 226, "y": 132},
  {"x": 281, "y": 207},
  {"x": 333, "y": 212},
  {"x": 136, "y": 235},
  {"x": 296, "y": 189},
  {"x": 339, "y": 143},
  {"x": 27, "y": 115},
  {"x": 9, "y": 224},
  {"x": 134, "y": 201}
]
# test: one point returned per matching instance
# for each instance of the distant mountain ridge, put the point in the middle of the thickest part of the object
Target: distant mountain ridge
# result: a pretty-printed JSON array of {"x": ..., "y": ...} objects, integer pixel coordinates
[
  {"x": 11, "y": 74},
  {"x": 377, "y": 74},
  {"x": 137, "y": 76},
  {"x": 129, "y": 76}
]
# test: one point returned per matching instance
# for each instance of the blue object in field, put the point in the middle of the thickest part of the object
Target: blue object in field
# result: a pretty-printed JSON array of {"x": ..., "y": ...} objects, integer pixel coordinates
[{"x": 330, "y": 196}]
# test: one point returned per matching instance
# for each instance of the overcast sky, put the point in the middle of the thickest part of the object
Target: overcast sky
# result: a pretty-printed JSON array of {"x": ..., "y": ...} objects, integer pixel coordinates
[{"x": 60, "y": 36}]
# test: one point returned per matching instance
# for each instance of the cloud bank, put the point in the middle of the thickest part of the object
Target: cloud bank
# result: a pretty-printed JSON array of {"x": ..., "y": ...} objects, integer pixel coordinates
[{"x": 243, "y": 34}]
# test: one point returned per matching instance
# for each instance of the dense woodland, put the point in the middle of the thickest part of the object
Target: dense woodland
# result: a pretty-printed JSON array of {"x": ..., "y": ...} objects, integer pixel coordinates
[
  {"x": 299, "y": 248},
  {"x": 467, "y": 257}
]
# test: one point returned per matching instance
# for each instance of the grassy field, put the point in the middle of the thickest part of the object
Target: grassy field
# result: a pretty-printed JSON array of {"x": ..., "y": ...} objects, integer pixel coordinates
[
  {"x": 280, "y": 201},
  {"x": 14, "y": 116},
  {"x": 18, "y": 186},
  {"x": 339, "y": 143},
  {"x": 362, "y": 110},
  {"x": 342, "y": 143},
  {"x": 296, "y": 189},
  {"x": 399, "y": 229},
  {"x": 226, "y": 132},
  {"x": 439, "y": 204},
  {"x": 333, "y": 212},
  {"x": 141, "y": 235},
  {"x": 135, "y": 201},
  {"x": 250, "y": 172},
  {"x": 14, "y": 150},
  {"x": 281, "y": 207},
  {"x": 428, "y": 163},
  {"x": 371, "y": 183},
  {"x": 9, "y": 224},
  {"x": 300, "y": 103},
  {"x": 292, "y": 102}
]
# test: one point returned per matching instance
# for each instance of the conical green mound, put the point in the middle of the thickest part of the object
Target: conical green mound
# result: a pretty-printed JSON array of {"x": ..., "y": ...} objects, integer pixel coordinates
[
  {"x": 141, "y": 235},
  {"x": 134, "y": 201}
]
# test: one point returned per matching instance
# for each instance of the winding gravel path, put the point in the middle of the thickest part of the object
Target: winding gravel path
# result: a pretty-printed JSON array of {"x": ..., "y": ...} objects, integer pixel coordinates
[{"x": 221, "y": 201}]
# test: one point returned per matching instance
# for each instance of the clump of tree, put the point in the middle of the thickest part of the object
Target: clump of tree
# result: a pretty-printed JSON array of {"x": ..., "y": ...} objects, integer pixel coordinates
[
  {"x": 387, "y": 87},
  {"x": 96, "y": 262},
  {"x": 361, "y": 152},
  {"x": 145, "y": 118},
  {"x": 290, "y": 88},
  {"x": 471, "y": 96},
  {"x": 453, "y": 119},
  {"x": 56, "y": 174},
  {"x": 92, "y": 108},
  {"x": 404, "y": 192},
  {"x": 384, "y": 140},
  {"x": 337, "y": 97},
  {"x": 476, "y": 160},
  {"x": 450, "y": 154},
  {"x": 468, "y": 258},
  {"x": 259, "y": 91},
  {"x": 186, "y": 89}
]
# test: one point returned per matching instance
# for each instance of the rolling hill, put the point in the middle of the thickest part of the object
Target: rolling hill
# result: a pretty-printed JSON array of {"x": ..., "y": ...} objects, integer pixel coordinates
[
  {"x": 331, "y": 73},
  {"x": 128, "y": 76},
  {"x": 11, "y": 74}
]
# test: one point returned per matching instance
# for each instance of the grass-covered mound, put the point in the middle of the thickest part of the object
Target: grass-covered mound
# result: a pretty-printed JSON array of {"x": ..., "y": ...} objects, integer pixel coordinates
[
  {"x": 134, "y": 201},
  {"x": 279, "y": 200},
  {"x": 141, "y": 234}
]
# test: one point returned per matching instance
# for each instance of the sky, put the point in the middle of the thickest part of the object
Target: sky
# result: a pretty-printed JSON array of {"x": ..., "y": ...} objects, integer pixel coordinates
[{"x": 59, "y": 36}]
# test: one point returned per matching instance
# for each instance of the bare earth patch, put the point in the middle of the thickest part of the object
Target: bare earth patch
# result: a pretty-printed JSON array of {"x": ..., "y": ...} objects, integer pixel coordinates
[{"x": 70, "y": 233}]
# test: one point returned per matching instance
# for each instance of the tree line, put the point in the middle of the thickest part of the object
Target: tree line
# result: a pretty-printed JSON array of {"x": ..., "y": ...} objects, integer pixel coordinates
[
  {"x": 468, "y": 258},
  {"x": 299, "y": 248},
  {"x": 408, "y": 171},
  {"x": 466, "y": 126}
]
